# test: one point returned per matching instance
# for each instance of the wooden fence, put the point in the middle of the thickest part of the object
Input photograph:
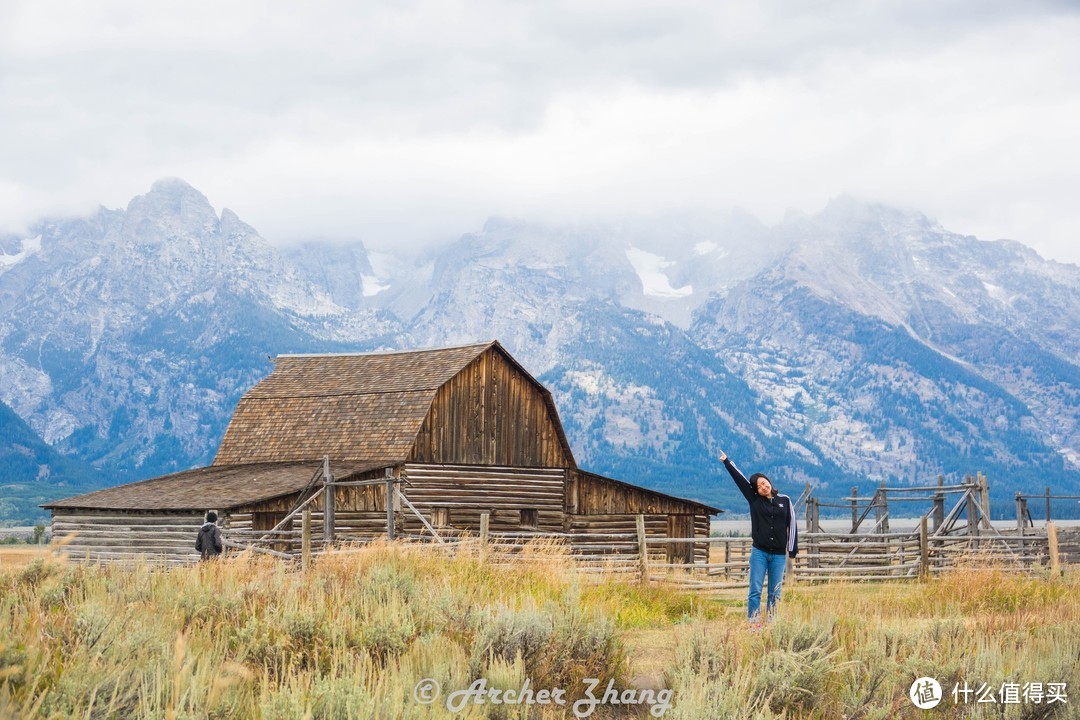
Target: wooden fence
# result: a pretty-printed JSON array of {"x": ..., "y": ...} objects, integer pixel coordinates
[
  {"x": 957, "y": 534},
  {"x": 640, "y": 557}
]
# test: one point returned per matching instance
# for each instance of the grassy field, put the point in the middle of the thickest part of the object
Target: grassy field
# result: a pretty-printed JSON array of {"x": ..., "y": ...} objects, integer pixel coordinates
[
  {"x": 352, "y": 637},
  {"x": 20, "y": 555}
]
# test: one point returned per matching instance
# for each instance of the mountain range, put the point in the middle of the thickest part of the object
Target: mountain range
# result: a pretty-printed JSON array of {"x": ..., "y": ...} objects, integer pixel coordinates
[{"x": 859, "y": 345}]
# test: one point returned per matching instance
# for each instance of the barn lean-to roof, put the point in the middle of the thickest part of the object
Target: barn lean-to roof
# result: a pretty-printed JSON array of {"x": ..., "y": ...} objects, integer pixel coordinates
[{"x": 222, "y": 487}]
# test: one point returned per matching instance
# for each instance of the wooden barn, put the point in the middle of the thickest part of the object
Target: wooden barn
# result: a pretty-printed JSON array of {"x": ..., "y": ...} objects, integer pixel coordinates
[{"x": 413, "y": 443}]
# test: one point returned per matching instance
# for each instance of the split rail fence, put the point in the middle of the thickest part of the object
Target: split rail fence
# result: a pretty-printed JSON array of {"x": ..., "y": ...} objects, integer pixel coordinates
[{"x": 945, "y": 539}]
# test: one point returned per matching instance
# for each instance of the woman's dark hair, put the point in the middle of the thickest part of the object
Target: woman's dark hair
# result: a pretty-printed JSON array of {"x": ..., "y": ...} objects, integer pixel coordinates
[
  {"x": 211, "y": 516},
  {"x": 757, "y": 476}
]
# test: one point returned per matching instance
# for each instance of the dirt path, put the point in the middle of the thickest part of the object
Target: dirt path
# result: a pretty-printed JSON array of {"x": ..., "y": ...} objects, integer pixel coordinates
[{"x": 651, "y": 652}]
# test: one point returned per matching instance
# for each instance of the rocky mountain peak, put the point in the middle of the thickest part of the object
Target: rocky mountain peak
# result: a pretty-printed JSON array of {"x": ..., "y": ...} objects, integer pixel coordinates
[
  {"x": 853, "y": 213},
  {"x": 172, "y": 203}
]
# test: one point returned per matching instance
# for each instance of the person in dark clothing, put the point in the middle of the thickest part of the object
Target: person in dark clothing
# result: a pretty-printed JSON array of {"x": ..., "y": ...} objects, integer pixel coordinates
[
  {"x": 209, "y": 541},
  {"x": 775, "y": 534}
]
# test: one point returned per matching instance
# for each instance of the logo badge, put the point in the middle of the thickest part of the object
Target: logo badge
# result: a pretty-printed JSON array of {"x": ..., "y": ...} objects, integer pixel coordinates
[{"x": 925, "y": 693}]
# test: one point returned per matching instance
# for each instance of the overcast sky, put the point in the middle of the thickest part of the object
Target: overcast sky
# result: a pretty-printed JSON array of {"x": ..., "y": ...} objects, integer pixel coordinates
[{"x": 414, "y": 121}]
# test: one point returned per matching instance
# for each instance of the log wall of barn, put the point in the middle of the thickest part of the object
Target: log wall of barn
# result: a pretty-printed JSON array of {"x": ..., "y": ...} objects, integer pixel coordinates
[
  {"x": 462, "y": 492},
  {"x": 348, "y": 526},
  {"x": 359, "y": 514},
  {"x": 126, "y": 535},
  {"x": 702, "y": 528},
  {"x": 491, "y": 413},
  {"x": 466, "y": 491},
  {"x": 598, "y": 504},
  {"x": 656, "y": 526}
]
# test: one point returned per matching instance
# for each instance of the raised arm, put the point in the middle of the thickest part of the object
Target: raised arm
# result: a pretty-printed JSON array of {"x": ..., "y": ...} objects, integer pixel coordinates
[{"x": 740, "y": 480}]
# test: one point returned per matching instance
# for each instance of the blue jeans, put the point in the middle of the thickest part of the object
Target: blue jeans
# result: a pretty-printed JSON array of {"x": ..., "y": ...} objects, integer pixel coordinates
[{"x": 760, "y": 563}]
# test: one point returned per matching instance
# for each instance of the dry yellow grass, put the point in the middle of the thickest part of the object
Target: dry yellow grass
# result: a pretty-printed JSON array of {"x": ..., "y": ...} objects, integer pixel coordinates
[
  {"x": 255, "y": 638},
  {"x": 18, "y": 556}
]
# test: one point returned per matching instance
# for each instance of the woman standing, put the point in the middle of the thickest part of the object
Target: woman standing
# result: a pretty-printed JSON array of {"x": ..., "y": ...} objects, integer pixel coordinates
[{"x": 775, "y": 533}]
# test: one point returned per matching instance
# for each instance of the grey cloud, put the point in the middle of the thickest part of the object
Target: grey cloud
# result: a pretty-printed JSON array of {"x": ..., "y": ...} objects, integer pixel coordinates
[{"x": 425, "y": 115}]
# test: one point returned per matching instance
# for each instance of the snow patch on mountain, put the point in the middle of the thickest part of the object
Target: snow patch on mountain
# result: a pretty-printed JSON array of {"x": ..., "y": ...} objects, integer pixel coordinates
[
  {"x": 29, "y": 247},
  {"x": 650, "y": 269},
  {"x": 372, "y": 285}
]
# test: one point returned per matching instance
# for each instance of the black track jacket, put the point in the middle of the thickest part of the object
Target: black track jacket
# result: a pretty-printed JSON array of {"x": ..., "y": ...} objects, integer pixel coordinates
[{"x": 773, "y": 526}]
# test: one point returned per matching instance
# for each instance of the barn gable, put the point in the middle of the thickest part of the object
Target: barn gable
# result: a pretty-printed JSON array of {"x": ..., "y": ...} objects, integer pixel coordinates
[
  {"x": 469, "y": 404},
  {"x": 493, "y": 412}
]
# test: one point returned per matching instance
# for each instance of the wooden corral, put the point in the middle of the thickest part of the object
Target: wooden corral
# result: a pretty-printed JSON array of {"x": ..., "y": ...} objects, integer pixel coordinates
[
  {"x": 406, "y": 444},
  {"x": 953, "y": 532}
]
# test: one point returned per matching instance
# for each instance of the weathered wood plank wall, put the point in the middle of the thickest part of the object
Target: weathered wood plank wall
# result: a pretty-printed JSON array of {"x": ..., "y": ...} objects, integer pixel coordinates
[
  {"x": 467, "y": 491},
  {"x": 115, "y": 535},
  {"x": 491, "y": 414},
  {"x": 589, "y": 494},
  {"x": 656, "y": 526}
]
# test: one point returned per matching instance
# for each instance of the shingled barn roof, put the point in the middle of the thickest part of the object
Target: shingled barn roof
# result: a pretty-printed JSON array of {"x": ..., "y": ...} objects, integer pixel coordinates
[
  {"x": 360, "y": 406},
  {"x": 219, "y": 486}
]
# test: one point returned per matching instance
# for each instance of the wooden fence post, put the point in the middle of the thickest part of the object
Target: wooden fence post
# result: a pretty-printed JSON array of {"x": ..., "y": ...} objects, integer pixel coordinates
[
  {"x": 854, "y": 509},
  {"x": 924, "y": 548},
  {"x": 328, "y": 503},
  {"x": 1020, "y": 522},
  {"x": 984, "y": 501},
  {"x": 305, "y": 539},
  {"x": 876, "y": 502},
  {"x": 643, "y": 550},
  {"x": 485, "y": 520},
  {"x": 972, "y": 517},
  {"x": 727, "y": 559},
  {"x": 1052, "y": 547},
  {"x": 1047, "y": 503},
  {"x": 883, "y": 512},
  {"x": 391, "y": 531}
]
